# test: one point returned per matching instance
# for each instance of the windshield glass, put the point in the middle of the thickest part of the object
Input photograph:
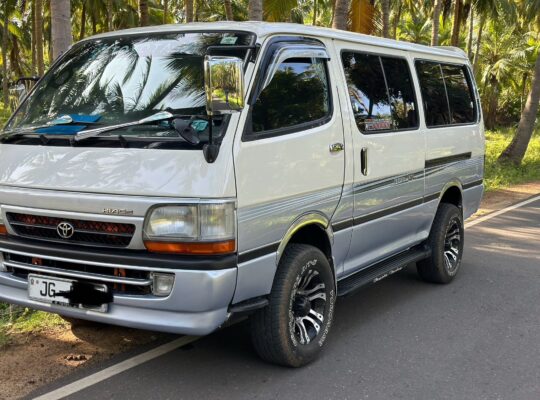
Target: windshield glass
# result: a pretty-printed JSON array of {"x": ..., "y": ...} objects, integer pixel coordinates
[{"x": 124, "y": 79}]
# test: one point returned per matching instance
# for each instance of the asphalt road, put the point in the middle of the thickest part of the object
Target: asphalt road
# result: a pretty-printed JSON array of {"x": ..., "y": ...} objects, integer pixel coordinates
[{"x": 477, "y": 338}]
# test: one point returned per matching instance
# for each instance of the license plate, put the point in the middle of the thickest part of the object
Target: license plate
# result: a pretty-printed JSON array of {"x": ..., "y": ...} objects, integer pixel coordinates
[{"x": 52, "y": 290}]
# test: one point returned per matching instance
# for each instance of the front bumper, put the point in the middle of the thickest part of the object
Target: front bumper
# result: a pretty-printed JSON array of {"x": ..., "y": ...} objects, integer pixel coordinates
[{"x": 197, "y": 305}]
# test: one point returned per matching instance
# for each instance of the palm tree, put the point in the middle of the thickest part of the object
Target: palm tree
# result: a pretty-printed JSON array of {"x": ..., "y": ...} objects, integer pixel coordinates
[
  {"x": 228, "y": 10},
  {"x": 385, "y": 9},
  {"x": 39, "y": 37},
  {"x": 60, "y": 27},
  {"x": 255, "y": 10},
  {"x": 362, "y": 16},
  {"x": 458, "y": 11},
  {"x": 437, "y": 7},
  {"x": 6, "y": 10},
  {"x": 515, "y": 151},
  {"x": 189, "y": 10},
  {"x": 517, "y": 148},
  {"x": 143, "y": 11}
]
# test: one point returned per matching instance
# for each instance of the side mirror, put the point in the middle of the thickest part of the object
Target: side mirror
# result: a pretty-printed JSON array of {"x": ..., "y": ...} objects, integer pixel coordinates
[{"x": 224, "y": 84}]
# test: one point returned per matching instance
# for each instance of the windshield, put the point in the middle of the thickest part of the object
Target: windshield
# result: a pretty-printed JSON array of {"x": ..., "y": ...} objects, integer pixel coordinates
[{"x": 124, "y": 79}]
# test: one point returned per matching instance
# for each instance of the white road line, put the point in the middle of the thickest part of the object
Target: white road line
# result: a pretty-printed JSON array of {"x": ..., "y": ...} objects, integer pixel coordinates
[
  {"x": 116, "y": 369},
  {"x": 503, "y": 211},
  {"x": 102, "y": 375}
]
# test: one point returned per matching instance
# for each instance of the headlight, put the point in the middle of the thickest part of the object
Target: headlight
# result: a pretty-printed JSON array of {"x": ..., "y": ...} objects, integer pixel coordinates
[{"x": 191, "y": 229}]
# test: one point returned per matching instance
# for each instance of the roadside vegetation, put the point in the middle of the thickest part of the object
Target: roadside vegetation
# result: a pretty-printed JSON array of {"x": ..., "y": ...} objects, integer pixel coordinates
[
  {"x": 500, "y": 175},
  {"x": 14, "y": 319}
]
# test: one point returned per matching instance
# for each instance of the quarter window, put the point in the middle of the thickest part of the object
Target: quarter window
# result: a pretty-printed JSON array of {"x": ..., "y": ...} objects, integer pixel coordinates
[
  {"x": 459, "y": 94},
  {"x": 380, "y": 91},
  {"x": 447, "y": 94},
  {"x": 297, "y": 95}
]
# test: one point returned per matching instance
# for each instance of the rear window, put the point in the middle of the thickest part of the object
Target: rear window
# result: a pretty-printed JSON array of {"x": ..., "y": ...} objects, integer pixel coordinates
[
  {"x": 380, "y": 91},
  {"x": 446, "y": 93}
]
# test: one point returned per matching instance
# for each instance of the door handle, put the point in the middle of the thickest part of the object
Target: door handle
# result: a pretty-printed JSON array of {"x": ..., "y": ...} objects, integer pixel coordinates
[
  {"x": 364, "y": 161},
  {"x": 336, "y": 147}
]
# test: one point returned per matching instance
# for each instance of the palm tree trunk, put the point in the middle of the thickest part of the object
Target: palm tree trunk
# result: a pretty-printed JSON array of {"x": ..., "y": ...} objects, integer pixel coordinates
[
  {"x": 109, "y": 15},
  {"x": 255, "y": 10},
  {"x": 341, "y": 14},
  {"x": 385, "y": 8},
  {"x": 454, "y": 41},
  {"x": 315, "y": 10},
  {"x": 228, "y": 10},
  {"x": 436, "y": 22},
  {"x": 517, "y": 148},
  {"x": 189, "y": 10},
  {"x": 397, "y": 18},
  {"x": 60, "y": 27},
  {"x": 471, "y": 31},
  {"x": 39, "y": 37},
  {"x": 165, "y": 11},
  {"x": 34, "y": 62},
  {"x": 143, "y": 12},
  {"x": 492, "y": 104},
  {"x": 478, "y": 42},
  {"x": 5, "y": 75},
  {"x": 83, "y": 21}
]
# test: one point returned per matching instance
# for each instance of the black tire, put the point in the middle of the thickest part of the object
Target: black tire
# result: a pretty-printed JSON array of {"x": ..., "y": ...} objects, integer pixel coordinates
[
  {"x": 295, "y": 302},
  {"x": 446, "y": 242}
]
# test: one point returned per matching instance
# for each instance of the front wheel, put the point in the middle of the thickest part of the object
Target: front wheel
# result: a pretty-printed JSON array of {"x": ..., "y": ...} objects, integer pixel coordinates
[
  {"x": 446, "y": 241},
  {"x": 293, "y": 328}
]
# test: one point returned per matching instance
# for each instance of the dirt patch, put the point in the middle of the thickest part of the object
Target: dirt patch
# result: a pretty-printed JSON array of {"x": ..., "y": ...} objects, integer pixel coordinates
[
  {"x": 31, "y": 360},
  {"x": 501, "y": 198}
]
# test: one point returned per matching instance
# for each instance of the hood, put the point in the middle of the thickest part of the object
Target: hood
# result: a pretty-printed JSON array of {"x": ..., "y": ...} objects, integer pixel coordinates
[{"x": 141, "y": 172}]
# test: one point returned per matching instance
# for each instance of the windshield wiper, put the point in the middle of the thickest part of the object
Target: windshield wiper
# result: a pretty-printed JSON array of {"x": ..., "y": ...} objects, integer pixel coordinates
[
  {"x": 160, "y": 116},
  {"x": 60, "y": 121}
]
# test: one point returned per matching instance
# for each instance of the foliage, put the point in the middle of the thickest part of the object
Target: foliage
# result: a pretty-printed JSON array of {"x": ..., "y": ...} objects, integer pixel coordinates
[
  {"x": 20, "y": 320},
  {"x": 503, "y": 175}
]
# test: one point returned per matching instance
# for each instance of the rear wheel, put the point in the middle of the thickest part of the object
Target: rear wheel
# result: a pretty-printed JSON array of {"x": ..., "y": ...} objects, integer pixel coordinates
[
  {"x": 446, "y": 241},
  {"x": 293, "y": 328}
]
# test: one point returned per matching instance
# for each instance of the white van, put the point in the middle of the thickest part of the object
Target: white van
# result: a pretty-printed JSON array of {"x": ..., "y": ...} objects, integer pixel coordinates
[{"x": 174, "y": 177}]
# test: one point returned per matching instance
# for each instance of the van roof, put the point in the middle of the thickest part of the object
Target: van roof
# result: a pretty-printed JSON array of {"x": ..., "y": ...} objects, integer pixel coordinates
[{"x": 263, "y": 29}]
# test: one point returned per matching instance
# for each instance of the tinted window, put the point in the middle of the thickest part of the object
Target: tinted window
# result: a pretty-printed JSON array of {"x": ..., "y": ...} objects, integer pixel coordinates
[
  {"x": 433, "y": 93},
  {"x": 401, "y": 92},
  {"x": 297, "y": 94},
  {"x": 459, "y": 94},
  {"x": 367, "y": 91}
]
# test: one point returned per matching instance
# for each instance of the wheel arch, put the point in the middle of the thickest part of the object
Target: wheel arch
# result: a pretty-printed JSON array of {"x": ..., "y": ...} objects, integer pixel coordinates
[
  {"x": 452, "y": 193},
  {"x": 312, "y": 228}
]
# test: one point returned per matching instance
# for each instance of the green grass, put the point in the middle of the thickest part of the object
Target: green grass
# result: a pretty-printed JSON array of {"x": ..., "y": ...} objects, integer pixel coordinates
[
  {"x": 25, "y": 320},
  {"x": 498, "y": 176}
]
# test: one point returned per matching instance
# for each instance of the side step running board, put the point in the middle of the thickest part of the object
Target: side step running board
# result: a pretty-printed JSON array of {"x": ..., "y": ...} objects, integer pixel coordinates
[{"x": 381, "y": 270}]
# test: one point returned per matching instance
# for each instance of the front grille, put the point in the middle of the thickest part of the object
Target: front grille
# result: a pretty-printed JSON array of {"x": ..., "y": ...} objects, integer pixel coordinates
[
  {"x": 122, "y": 279},
  {"x": 101, "y": 233}
]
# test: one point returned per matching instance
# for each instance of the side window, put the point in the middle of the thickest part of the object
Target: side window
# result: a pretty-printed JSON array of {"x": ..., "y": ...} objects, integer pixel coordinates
[
  {"x": 367, "y": 92},
  {"x": 460, "y": 97},
  {"x": 297, "y": 94},
  {"x": 401, "y": 92},
  {"x": 433, "y": 93}
]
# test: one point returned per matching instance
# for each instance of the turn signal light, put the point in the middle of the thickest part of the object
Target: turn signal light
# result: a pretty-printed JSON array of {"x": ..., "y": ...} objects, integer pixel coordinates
[
  {"x": 198, "y": 248},
  {"x": 3, "y": 230}
]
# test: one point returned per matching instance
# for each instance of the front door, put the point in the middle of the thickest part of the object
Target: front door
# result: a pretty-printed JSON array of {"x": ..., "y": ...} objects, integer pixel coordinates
[{"x": 284, "y": 164}]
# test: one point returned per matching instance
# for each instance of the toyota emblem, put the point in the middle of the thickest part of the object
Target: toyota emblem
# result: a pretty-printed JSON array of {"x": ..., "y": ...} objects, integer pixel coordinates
[{"x": 65, "y": 230}]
